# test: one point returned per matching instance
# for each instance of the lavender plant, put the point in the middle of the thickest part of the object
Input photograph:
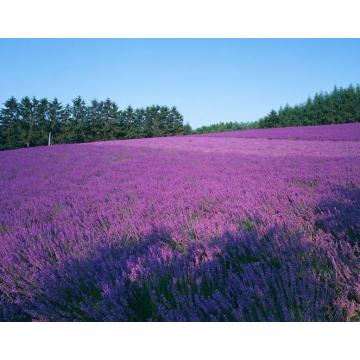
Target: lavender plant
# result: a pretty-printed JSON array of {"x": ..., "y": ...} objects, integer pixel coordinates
[{"x": 196, "y": 228}]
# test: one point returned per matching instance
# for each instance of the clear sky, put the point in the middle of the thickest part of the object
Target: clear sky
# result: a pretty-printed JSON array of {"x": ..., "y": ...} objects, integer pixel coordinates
[{"x": 209, "y": 80}]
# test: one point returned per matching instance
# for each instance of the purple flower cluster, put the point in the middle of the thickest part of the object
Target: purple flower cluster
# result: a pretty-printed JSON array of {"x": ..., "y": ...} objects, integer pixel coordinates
[{"x": 195, "y": 228}]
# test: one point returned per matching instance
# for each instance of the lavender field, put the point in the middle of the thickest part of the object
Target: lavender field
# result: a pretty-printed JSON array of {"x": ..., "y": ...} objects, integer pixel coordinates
[{"x": 257, "y": 225}]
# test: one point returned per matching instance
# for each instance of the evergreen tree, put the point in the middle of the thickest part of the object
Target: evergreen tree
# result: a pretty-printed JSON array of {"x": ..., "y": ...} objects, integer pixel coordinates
[
  {"x": 9, "y": 125},
  {"x": 94, "y": 120},
  {"x": 139, "y": 122},
  {"x": 41, "y": 116},
  {"x": 79, "y": 121},
  {"x": 187, "y": 129},
  {"x": 66, "y": 132},
  {"x": 27, "y": 120},
  {"x": 110, "y": 115},
  {"x": 129, "y": 123},
  {"x": 55, "y": 121},
  {"x": 177, "y": 122}
]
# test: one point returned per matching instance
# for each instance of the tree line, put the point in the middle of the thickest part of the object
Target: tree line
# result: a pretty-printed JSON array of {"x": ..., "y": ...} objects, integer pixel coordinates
[
  {"x": 341, "y": 105},
  {"x": 223, "y": 126},
  {"x": 32, "y": 122}
]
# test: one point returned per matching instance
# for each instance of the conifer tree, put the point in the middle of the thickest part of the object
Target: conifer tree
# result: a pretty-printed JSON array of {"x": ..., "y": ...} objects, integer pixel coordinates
[{"x": 9, "y": 125}]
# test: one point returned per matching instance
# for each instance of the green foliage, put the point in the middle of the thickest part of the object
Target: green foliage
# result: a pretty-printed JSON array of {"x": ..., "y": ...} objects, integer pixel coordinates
[
  {"x": 223, "y": 126},
  {"x": 342, "y": 105},
  {"x": 31, "y": 121}
]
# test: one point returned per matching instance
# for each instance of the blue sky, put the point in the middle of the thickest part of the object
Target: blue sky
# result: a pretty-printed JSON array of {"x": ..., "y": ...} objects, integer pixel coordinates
[{"x": 209, "y": 80}]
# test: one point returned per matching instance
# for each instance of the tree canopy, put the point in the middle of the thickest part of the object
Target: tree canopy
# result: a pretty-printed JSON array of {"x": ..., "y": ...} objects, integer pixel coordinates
[
  {"x": 31, "y": 122},
  {"x": 342, "y": 105}
]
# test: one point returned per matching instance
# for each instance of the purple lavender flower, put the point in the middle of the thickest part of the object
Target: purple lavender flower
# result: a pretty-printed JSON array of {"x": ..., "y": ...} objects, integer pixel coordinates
[{"x": 258, "y": 225}]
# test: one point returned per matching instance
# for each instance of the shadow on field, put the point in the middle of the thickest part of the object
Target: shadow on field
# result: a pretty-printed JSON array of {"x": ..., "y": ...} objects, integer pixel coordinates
[
  {"x": 277, "y": 276},
  {"x": 12, "y": 312},
  {"x": 242, "y": 277},
  {"x": 341, "y": 218}
]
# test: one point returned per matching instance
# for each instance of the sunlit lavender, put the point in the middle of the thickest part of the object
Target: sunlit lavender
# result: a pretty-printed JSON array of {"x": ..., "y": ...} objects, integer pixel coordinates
[{"x": 257, "y": 225}]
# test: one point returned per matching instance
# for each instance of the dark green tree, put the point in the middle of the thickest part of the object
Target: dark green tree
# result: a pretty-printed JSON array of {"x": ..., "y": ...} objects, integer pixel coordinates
[
  {"x": 55, "y": 121},
  {"x": 79, "y": 117},
  {"x": 10, "y": 130},
  {"x": 27, "y": 120}
]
